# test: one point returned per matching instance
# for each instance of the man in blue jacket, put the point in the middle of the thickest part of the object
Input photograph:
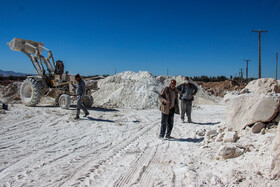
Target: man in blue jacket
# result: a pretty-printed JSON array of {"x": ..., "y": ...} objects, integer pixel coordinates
[{"x": 187, "y": 92}]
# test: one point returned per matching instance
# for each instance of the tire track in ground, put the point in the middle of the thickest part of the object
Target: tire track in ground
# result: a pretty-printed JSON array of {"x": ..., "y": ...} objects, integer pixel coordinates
[
  {"x": 90, "y": 170},
  {"x": 22, "y": 162},
  {"x": 21, "y": 128},
  {"x": 151, "y": 168},
  {"x": 26, "y": 133},
  {"x": 55, "y": 161},
  {"x": 29, "y": 172},
  {"x": 137, "y": 167},
  {"x": 156, "y": 165},
  {"x": 56, "y": 164},
  {"x": 17, "y": 129}
]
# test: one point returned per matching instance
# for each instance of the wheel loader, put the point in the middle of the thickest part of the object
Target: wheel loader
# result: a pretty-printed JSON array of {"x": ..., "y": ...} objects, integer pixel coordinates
[{"x": 50, "y": 79}]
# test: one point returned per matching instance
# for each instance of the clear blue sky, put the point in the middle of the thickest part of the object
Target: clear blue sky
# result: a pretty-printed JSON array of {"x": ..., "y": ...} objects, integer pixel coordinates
[{"x": 198, "y": 37}]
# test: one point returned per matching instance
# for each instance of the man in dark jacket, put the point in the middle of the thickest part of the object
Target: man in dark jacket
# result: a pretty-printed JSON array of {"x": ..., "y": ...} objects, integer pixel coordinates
[
  {"x": 169, "y": 106},
  {"x": 187, "y": 92},
  {"x": 80, "y": 91}
]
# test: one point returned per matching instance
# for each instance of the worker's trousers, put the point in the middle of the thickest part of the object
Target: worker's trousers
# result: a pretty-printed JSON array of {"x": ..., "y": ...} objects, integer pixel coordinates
[
  {"x": 80, "y": 105},
  {"x": 186, "y": 108},
  {"x": 167, "y": 123}
]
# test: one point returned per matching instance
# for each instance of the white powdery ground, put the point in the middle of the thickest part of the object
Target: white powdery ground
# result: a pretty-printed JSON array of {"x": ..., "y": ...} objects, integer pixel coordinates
[{"x": 44, "y": 146}]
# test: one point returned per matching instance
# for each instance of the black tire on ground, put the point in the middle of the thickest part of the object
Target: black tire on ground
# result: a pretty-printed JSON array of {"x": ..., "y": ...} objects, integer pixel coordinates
[
  {"x": 64, "y": 101},
  {"x": 31, "y": 92},
  {"x": 88, "y": 101}
]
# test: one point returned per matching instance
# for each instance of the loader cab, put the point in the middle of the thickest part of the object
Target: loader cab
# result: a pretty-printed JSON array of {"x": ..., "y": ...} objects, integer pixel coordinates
[{"x": 59, "y": 67}]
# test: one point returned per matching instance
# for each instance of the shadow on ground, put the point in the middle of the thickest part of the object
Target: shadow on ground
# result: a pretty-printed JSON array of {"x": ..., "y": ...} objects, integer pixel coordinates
[
  {"x": 101, "y": 109},
  {"x": 73, "y": 107},
  {"x": 47, "y": 106},
  {"x": 215, "y": 123},
  {"x": 100, "y": 120},
  {"x": 192, "y": 140}
]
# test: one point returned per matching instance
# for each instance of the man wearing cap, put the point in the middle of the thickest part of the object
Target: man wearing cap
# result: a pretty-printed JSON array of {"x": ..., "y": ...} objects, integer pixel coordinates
[
  {"x": 80, "y": 91},
  {"x": 169, "y": 106},
  {"x": 187, "y": 92}
]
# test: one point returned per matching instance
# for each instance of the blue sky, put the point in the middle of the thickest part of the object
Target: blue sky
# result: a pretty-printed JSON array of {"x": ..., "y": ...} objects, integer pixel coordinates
[{"x": 202, "y": 37}]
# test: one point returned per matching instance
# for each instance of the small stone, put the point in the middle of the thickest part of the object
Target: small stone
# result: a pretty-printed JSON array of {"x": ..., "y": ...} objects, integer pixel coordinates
[
  {"x": 231, "y": 137},
  {"x": 221, "y": 130},
  {"x": 220, "y": 137},
  {"x": 245, "y": 90},
  {"x": 229, "y": 151},
  {"x": 200, "y": 132},
  {"x": 258, "y": 127},
  {"x": 263, "y": 131},
  {"x": 211, "y": 133}
]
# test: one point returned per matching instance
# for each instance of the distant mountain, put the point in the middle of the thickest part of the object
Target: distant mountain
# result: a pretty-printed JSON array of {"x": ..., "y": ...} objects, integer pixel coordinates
[{"x": 11, "y": 73}]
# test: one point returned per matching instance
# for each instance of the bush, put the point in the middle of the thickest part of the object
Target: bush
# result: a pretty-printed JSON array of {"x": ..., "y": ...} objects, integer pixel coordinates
[{"x": 204, "y": 78}]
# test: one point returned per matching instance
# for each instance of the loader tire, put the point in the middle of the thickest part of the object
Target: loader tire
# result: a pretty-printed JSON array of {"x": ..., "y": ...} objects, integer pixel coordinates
[
  {"x": 31, "y": 92},
  {"x": 88, "y": 101},
  {"x": 64, "y": 101}
]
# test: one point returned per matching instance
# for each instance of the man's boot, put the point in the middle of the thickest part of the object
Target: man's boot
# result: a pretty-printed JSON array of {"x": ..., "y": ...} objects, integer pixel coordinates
[
  {"x": 78, "y": 114},
  {"x": 183, "y": 120},
  {"x": 86, "y": 114},
  {"x": 189, "y": 119}
]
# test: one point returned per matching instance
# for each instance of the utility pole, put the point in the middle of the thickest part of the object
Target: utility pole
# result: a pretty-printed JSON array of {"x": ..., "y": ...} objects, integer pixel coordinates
[
  {"x": 247, "y": 68},
  {"x": 167, "y": 71},
  {"x": 260, "y": 66},
  {"x": 241, "y": 76},
  {"x": 115, "y": 71},
  {"x": 276, "y": 65}
]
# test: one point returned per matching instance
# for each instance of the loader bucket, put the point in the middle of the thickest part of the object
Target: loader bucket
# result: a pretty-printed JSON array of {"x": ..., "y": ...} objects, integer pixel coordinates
[{"x": 18, "y": 44}]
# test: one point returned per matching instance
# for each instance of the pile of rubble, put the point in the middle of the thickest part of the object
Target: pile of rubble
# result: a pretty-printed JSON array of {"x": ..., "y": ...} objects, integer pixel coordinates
[
  {"x": 258, "y": 103},
  {"x": 10, "y": 93},
  {"x": 256, "y": 110},
  {"x": 221, "y": 88},
  {"x": 139, "y": 91}
]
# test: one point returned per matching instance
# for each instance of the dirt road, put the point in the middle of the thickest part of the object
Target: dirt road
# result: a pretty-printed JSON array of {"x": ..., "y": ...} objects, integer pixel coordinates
[{"x": 44, "y": 146}]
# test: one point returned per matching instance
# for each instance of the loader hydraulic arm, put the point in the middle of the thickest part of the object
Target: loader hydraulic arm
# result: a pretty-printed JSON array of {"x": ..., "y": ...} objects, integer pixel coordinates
[{"x": 34, "y": 51}]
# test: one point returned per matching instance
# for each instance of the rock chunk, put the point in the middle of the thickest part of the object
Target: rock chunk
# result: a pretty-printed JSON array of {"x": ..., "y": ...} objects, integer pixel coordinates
[
  {"x": 230, "y": 137},
  {"x": 257, "y": 128},
  {"x": 263, "y": 86},
  {"x": 200, "y": 132},
  {"x": 211, "y": 133},
  {"x": 229, "y": 151},
  {"x": 246, "y": 109},
  {"x": 220, "y": 137}
]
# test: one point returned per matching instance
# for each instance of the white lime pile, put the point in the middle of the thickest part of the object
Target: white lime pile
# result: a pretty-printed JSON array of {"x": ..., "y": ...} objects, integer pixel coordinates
[{"x": 139, "y": 90}]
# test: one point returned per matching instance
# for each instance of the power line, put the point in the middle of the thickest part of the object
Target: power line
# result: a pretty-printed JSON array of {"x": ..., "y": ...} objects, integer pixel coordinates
[{"x": 260, "y": 66}]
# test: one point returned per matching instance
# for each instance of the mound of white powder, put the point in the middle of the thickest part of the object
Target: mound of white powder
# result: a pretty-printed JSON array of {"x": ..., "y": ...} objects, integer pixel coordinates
[{"x": 139, "y": 90}]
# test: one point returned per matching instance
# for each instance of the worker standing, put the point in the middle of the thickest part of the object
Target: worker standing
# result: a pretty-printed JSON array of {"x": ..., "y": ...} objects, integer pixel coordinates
[
  {"x": 80, "y": 91},
  {"x": 169, "y": 106},
  {"x": 187, "y": 92}
]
